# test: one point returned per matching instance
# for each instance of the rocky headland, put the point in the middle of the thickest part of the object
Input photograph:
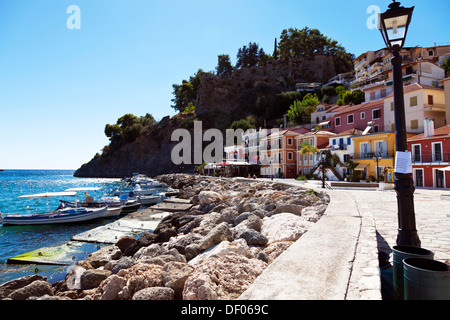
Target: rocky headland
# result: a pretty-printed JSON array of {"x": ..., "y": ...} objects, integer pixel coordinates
[{"x": 214, "y": 251}]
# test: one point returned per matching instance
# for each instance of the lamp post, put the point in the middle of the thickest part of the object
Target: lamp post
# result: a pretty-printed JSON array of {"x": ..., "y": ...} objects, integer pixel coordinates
[
  {"x": 394, "y": 24},
  {"x": 323, "y": 157},
  {"x": 377, "y": 159}
]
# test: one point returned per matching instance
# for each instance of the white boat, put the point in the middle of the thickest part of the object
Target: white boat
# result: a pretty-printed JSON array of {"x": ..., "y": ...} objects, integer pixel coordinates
[
  {"x": 59, "y": 216},
  {"x": 112, "y": 212},
  {"x": 148, "y": 200},
  {"x": 136, "y": 191}
]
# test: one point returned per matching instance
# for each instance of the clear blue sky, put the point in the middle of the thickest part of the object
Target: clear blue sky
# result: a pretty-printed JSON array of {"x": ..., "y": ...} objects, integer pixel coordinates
[{"x": 60, "y": 87}]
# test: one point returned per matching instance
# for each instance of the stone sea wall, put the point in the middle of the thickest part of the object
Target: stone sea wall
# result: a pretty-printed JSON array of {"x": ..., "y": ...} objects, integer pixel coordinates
[{"x": 215, "y": 251}]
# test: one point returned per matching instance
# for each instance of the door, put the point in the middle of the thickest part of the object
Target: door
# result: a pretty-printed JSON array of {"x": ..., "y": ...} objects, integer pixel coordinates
[
  {"x": 419, "y": 177},
  {"x": 439, "y": 179}
]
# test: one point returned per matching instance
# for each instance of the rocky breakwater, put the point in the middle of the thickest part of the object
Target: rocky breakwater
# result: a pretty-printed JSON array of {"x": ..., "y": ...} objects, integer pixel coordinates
[{"x": 214, "y": 251}]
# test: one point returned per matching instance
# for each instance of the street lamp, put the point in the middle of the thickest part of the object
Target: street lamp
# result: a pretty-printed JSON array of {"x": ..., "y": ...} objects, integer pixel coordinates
[
  {"x": 393, "y": 25},
  {"x": 377, "y": 159}
]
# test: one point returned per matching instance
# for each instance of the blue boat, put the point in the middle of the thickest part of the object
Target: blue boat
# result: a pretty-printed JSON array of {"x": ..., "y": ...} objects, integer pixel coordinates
[{"x": 59, "y": 216}]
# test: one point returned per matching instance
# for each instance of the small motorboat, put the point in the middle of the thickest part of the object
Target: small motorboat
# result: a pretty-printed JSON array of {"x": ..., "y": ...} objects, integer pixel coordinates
[
  {"x": 59, "y": 216},
  {"x": 148, "y": 200}
]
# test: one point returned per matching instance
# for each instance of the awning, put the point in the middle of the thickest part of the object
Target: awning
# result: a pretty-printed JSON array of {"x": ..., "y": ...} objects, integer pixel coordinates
[
  {"x": 324, "y": 123},
  {"x": 445, "y": 169},
  {"x": 361, "y": 167}
]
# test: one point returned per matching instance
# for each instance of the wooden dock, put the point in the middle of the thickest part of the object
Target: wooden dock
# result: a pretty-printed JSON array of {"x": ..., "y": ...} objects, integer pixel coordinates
[{"x": 81, "y": 245}]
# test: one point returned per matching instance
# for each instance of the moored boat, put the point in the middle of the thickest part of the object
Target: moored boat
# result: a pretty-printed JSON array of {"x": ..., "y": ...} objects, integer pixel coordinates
[{"x": 59, "y": 216}]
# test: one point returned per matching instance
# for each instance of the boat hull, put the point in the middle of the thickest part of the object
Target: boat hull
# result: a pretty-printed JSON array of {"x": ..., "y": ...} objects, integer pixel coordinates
[{"x": 58, "y": 217}]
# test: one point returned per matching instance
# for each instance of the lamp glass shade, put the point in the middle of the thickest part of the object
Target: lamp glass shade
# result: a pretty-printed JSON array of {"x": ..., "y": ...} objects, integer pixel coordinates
[{"x": 394, "y": 24}]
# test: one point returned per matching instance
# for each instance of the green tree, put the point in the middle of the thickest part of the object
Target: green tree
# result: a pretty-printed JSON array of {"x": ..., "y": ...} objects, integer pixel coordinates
[
  {"x": 300, "y": 111},
  {"x": 250, "y": 56},
  {"x": 350, "y": 97},
  {"x": 187, "y": 92},
  {"x": 224, "y": 68},
  {"x": 244, "y": 124},
  {"x": 306, "y": 149},
  {"x": 446, "y": 66},
  {"x": 308, "y": 42}
]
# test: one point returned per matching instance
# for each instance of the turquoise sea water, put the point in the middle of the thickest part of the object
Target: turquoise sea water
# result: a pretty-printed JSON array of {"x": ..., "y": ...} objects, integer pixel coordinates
[{"x": 16, "y": 240}]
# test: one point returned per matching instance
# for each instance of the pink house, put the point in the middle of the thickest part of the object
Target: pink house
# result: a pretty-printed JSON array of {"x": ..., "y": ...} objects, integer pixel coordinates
[{"x": 358, "y": 117}]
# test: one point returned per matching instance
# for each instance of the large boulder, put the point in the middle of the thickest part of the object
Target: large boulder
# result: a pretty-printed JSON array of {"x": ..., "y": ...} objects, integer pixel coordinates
[
  {"x": 284, "y": 227},
  {"x": 208, "y": 197},
  {"x": 222, "y": 277},
  {"x": 37, "y": 288},
  {"x": 92, "y": 278},
  {"x": 9, "y": 287}
]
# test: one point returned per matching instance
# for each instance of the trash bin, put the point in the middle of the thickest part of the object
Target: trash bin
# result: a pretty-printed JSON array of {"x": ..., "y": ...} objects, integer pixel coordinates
[
  {"x": 399, "y": 254},
  {"x": 426, "y": 279}
]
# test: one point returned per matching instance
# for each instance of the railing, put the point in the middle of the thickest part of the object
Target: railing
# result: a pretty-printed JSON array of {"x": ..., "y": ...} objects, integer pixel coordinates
[
  {"x": 437, "y": 157},
  {"x": 371, "y": 155}
]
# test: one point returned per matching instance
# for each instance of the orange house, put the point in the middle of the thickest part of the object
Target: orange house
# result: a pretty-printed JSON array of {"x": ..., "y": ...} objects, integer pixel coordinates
[{"x": 278, "y": 154}]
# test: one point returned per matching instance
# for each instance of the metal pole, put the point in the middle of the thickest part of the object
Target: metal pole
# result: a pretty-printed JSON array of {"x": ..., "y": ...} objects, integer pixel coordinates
[
  {"x": 404, "y": 185},
  {"x": 323, "y": 170}
]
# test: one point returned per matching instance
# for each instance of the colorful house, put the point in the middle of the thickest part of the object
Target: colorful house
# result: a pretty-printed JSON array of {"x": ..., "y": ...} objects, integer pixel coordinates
[
  {"x": 369, "y": 148},
  {"x": 342, "y": 149},
  {"x": 431, "y": 157},
  {"x": 278, "y": 154},
  {"x": 359, "y": 117},
  {"x": 308, "y": 163}
]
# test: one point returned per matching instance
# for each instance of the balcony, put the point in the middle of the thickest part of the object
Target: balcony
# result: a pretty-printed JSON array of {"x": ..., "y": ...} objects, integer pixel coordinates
[
  {"x": 431, "y": 158},
  {"x": 371, "y": 155},
  {"x": 342, "y": 147}
]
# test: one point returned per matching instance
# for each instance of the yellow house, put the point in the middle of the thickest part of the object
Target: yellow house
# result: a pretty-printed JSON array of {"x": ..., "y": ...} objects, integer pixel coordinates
[
  {"x": 372, "y": 147},
  {"x": 375, "y": 150}
]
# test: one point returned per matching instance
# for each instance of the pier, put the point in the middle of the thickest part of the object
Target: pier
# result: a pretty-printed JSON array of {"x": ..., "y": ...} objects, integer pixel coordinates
[{"x": 80, "y": 245}]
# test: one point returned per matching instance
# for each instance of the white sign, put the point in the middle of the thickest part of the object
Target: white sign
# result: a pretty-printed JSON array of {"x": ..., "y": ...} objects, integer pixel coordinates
[{"x": 403, "y": 162}]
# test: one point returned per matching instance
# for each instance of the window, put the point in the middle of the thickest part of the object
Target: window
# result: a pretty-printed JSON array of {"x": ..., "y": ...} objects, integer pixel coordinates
[
  {"x": 393, "y": 127},
  {"x": 338, "y": 122},
  {"x": 372, "y": 95},
  {"x": 431, "y": 53},
  {"x": 334, "y": 142},
  {"x": 392, "y": 106},
  {"x": 416, "y": 153},
  {"x": 413, "y": 101},
  {"x": 311, "y": 141},
  {"x": 350, "y": 119},
  {"x": 349, "y": 141},
  {"x": 376, "y": 128},
  {"x": 430, "y": 100},
  {"x": 414, "y": 124},
  {"x": 289, "y": 155},
  {"x": 376, "y": 114},
  {"x": 290, "y": 141},
  {"x": 383, "y": 93},
  {"x": 363, "y": 115},
  {"x": 437, "y": 151}
]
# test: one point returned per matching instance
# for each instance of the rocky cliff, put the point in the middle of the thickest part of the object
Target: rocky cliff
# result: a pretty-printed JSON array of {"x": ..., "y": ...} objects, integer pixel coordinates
[
  {"x": 150, "y": 154},
  {"x": 220, "y": 101}
]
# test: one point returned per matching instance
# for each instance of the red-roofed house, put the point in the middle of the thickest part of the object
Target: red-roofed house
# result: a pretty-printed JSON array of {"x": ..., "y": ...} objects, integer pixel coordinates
[
  {"x": 358, "y": 117},
  {"x": 431, "y": 156}
]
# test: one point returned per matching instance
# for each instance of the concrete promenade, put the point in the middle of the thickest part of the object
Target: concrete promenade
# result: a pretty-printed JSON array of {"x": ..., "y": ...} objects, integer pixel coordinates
[{"x": 337, "y": 259}]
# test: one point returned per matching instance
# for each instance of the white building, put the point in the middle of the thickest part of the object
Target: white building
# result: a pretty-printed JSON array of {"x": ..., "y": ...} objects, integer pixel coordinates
[
  {"x": 421, "y": 102},
  {"x": 343, "y": 147}
]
